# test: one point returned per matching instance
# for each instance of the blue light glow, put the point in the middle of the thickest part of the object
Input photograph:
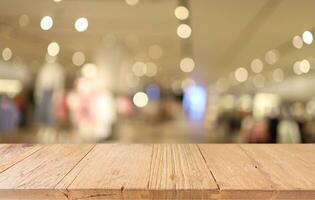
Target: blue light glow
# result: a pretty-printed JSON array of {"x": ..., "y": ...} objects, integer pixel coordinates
[
  {"x": 153, "y": 91},
  {"x": 195, "y": 102}
]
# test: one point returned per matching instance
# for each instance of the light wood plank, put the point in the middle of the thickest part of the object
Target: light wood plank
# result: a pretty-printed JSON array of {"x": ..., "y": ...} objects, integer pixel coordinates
[
  {"x": 232, "y": 168},
  {"x": 161, "y": 171},
  {"x": 179, "y": 171},
  {"x": 11, "y": 154},
  {"x": 32, "y": 194},
  {"x": 111, "y": 171},
  {"x": 42, "y": 171},
  {"x": 288, "y": 167},
  {"x": 261, "y": 171}
]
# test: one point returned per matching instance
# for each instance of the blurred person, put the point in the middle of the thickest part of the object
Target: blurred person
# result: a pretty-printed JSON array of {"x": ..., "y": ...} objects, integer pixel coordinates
[
  {"x": 288, "y": 129},
  {"x": 49, "y": 84},
  {"x": 298, "y": 113},
  {"x": 258, "y": 132},
  {"x": 92, "y": 107},
  {"x": 9, "y": 115},
  {"x": 21, "y": 105},
  {"x": 273, "y": 123}
]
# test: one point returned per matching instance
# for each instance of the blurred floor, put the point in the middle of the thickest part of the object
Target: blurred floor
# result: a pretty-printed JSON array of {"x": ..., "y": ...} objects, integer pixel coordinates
[{"x": 126, "y": 131}]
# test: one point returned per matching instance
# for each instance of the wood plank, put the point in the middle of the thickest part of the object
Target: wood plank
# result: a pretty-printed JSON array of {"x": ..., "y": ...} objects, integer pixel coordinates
[
  {"x": 111, "y": 171},
  {"x": 161, "y": 171},
  {"x": 261, "y": 171},
  {"x": 288, "y": 167},
  {"x": 178, "y": 171},
  {"x": 232, "y": 168},
  {"x": 32, "y": 194},
  {"x": 14, "y": 153},
  {"x": 41, "y": 171}
]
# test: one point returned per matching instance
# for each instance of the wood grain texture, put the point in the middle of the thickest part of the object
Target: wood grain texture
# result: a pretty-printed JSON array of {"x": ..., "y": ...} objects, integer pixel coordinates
[
  {"x": 14, "y": 153},
  {"x": 262, "y": 171},
  {"x": 111, "y": 171},
  {"x": 159, "y": 171},
  {"x": 178, "y": 171},
  {"x": 41, "y": 171}
]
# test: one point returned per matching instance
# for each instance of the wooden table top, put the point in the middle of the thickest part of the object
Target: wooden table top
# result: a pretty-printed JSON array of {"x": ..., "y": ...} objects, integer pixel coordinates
[{"x": 157, "y": 171}]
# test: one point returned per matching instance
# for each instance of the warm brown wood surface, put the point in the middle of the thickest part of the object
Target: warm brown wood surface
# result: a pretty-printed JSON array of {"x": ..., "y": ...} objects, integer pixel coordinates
[{"x": 157, "y": 171}]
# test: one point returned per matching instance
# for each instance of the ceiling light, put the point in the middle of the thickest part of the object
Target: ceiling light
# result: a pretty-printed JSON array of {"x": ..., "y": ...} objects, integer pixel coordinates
[
  {"x": 307, "y": 37},
  {"x": 272, "y": 56},
  {"x": 181, "y": 12},
  {"x": 53, "y": 49},
  {"x": 81, "y": 24},
  {"x": 139, "y": 69},
  {"x": 305, "y": 66},
  {"x": 184, "y": 31},
  {"x": 187, "y": 64},
  {"x": 257, "y": 65},
  {"x": 140, "y": 99},
  {"x": 296, "y": 68},
  {"x": 297, "y": 42},
  {"x": 46, "y": 23},
  {"x": 89, "y": 70},
  {"x": 7, "y": 54},
  {"x": 78, "y": 58},
  {"x": 241, "y": 74}
]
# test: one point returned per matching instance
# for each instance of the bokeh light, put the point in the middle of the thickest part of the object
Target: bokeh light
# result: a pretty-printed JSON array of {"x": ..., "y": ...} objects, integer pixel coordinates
[
  {"x": 151, "y": 69},
  {"x": 153, "y": 91},
  {"x": 78, "y": 58},
  {"x": 195, "y": 101},
  {"x": 241, "y": 74},
  {"x": 46, "y": 23},
  {"x": 278, "y": 75},
  {"x": 307, "y": 37},
  {"x": 155, "y": 52},
  {"x": 181, "y": 12},
  {"x": 305, "y": 66},
  {"x": 140, "y": 99},
  {"x": 187, "y": 64},
  {"x": 257, "y": 66},
  {"x": 81, "y": 24},
  {"x": 296, "y": 68},
  {"x": 297, "y": 42},
  {"x": 7, "y": 54},
  {"x": 139, "y": 69},
  {"x": 53, "y": 49},
  {"x": 24, "y": 20},
  {"x": 272, "y": 56},
  {"x": 89, "y": 70},
  {"x": 184, "y": 31}
]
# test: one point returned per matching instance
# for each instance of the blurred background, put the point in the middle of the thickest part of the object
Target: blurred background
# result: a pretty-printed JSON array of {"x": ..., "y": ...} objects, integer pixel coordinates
[{"x": 167, "y": 71}]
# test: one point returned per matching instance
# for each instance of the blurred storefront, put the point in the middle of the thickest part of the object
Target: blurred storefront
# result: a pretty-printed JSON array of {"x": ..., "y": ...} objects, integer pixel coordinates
[{"x": 157, "y": 71}]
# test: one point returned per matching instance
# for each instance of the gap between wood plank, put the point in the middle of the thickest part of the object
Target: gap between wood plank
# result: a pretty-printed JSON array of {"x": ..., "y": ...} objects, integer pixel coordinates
[
  {"x": 209, "y": 168},
  {"x": 74, "y": 167},
  {"x": 40, "y": 148}
]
